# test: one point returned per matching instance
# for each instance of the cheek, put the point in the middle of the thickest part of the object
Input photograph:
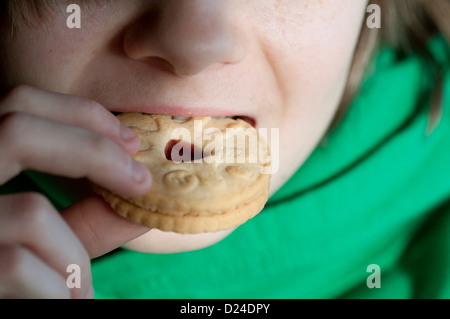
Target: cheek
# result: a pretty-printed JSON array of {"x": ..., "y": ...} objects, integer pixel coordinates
[
  {"x": 312, "y": 47},
  {"x": 46, "y": 59},
  {"x": 311, "y": 61},
  {"x": 52, "y": 55}
]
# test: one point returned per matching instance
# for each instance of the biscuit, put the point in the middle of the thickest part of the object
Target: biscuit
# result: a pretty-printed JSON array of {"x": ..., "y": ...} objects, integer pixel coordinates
[{"x": 209, "y": 174}]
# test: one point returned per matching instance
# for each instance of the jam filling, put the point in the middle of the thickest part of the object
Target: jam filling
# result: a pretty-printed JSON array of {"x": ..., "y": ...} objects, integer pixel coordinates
[{"x": 179, "y": 151}]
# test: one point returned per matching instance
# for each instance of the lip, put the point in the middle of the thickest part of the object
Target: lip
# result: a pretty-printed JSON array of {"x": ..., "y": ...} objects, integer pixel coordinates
[{"x": 187, "y": 112}]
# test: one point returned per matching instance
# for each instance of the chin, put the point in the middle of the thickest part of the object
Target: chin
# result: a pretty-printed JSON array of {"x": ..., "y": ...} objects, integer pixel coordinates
[{"x": 159, "y": 242}]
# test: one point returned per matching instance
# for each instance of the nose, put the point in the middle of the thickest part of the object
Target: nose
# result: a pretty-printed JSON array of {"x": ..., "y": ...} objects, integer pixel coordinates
[{"x": 188, "y": 35}]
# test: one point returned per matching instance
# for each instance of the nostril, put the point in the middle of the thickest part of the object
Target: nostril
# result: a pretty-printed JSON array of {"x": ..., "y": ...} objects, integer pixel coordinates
[{"x": 179, "y": 151}]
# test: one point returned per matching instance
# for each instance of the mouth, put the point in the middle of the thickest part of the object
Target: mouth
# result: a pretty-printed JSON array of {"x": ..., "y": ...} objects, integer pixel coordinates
[{"x": 245, "y": 118}]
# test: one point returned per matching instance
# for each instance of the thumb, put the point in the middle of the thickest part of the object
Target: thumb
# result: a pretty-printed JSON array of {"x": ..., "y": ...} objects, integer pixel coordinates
[{"x": 98, "y": 227}]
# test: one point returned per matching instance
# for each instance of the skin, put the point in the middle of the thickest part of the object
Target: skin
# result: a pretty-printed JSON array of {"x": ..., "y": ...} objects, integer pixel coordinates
[{"x": 282, "y": 63}]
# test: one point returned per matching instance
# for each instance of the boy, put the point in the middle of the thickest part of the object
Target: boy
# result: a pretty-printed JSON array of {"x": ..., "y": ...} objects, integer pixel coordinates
[{"x": 283, "y": 64}]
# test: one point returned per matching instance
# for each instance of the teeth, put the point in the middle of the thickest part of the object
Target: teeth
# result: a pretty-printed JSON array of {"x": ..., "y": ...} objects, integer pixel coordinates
[
  {"x": 184, "y": 118},
  {"x": 180, "y": 118}
]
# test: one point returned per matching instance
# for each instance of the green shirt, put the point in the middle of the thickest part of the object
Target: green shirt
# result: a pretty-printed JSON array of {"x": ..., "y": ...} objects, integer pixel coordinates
[{"x": 376, "y": 194}]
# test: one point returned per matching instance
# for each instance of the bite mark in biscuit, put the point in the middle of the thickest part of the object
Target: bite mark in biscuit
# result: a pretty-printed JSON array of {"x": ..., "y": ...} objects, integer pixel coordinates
[{"x": 193, "y": 195}]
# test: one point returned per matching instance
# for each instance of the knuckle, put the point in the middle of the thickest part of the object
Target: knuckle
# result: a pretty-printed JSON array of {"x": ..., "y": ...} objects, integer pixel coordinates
[
  {"x": 91, "y": 106},
  {"x": 35, "y": 201},
  {"x": 11, "y": 121},
  {"x": 100, "y": 143},
  {"x": 17, "y": 98},
  {"x": 38, "y": 205},
  {"x": 92, "y": 109},
  {"x": 13, "y": 260},
  {"x": 18, "y": 271},
  {"x": 13, "y": 135},
  {"x": 103, "y": 146},
  {"x": 13, "y": 126},
  {"x": 108, "y": 155},
  {"x": 98, "y": 116},
  {"x": 33, "y": 212},
  {"x": 19, "y": 93}
]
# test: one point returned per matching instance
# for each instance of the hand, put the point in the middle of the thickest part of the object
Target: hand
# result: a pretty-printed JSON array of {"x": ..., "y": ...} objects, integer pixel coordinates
[{"x": 72, "y": 137}]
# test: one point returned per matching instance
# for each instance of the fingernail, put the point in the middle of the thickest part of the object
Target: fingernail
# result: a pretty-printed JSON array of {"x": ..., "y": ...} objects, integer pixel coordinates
[
  {"x": 139, "y": 171},
  {"x": 126, "y": 133}
]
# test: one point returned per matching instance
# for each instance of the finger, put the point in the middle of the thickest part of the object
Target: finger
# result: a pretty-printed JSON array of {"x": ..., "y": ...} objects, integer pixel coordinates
[
  {"x": 70, "y": 110},
  {"x": 24, "y": 276},
  {"x": 98, "y": 227},
  {"x": 30, "y": 220},
  {"x": 30, "y": 142}
]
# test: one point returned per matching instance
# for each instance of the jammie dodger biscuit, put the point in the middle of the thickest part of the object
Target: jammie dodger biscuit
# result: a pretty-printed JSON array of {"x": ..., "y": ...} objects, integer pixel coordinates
[{"x": 208, "y": 174}]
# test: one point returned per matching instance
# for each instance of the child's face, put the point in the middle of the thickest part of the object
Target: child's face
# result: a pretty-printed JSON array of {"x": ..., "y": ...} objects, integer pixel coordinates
[{"x": 283, "y": 63}]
